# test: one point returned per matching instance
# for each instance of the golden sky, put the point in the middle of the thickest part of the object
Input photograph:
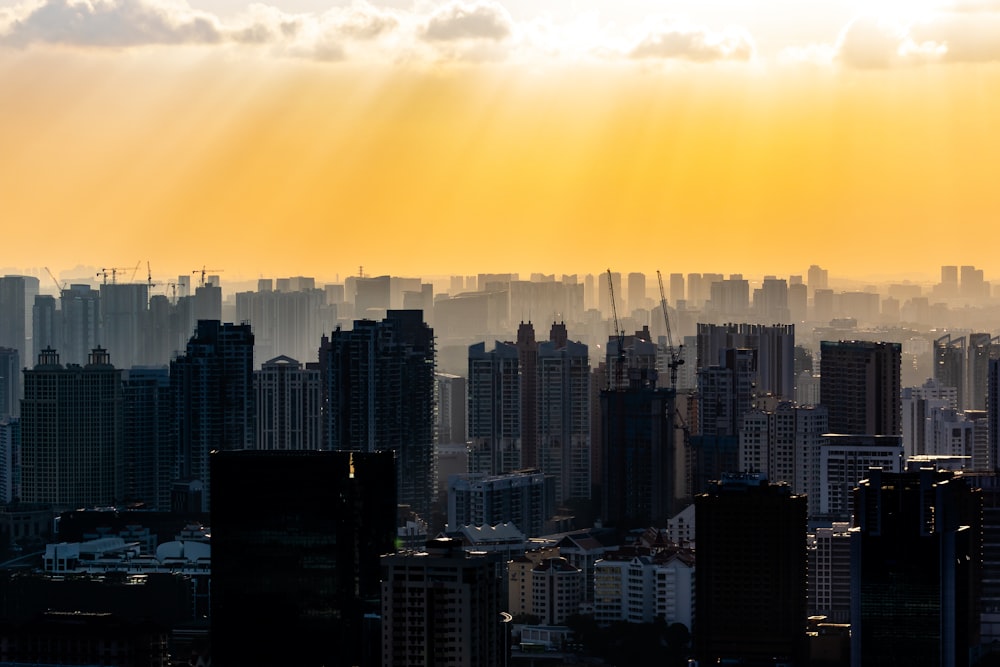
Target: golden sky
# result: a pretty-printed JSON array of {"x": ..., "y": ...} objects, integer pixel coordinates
[{"x": 468, "y": 136}]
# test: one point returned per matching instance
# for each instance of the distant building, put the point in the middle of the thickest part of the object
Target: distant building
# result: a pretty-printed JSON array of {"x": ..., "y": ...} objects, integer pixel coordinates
[
  {"x": 451, "y": 407},
  {"x": 494, "y": 390},
  {"x": 830, "y": 573},
  {"x": 443, "y": 606},
  {"x": 639, "y": 586},
  {"x": 844, "y": 460},
  {"x": 296, "y": 541},
  {"x": 751, "y": 573},
  {"x": 288, "y": 405},
  {"x": 72, "y": 438},
  {"x": 860, "y": 386},
  {"x": 10, "y": 383},
  {"x": 525, "y": 498},
  {"x": 124, "y": 322},
  {"x": 557, "y": 589}
]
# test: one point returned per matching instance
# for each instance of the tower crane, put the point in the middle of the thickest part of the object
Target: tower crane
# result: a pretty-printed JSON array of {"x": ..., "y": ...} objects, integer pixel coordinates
[
  {"x": 619, "y": 333},
  {"x": 674, "y": 355},
  {"x": 114, "y": 273},
  {"x": 203, "y": 271},
  {"x": 59, "y": 286}
]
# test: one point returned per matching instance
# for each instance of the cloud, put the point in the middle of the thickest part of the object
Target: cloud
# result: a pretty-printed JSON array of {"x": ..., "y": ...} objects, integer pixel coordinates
[
  {"x": 956, "y": 35},
  {"x": 459, "y": 21},
  {"x": 693, "y": 43},
  {"x": 111, "y": 23}
]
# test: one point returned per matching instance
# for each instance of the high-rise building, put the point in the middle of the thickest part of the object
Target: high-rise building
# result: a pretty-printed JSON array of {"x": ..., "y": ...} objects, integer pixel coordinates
[
  {"x": 215, "y": 404},
  {"x": 123, "y": 322},
  {"x": 817, "y": 278},
  {"x": 10, "y": 460},
  {"x": 726, "y": 392},
  {"x": 80, "y": 307},
  {"x": 71, "y": 433},
  {"x": 640, "y": 471},
  {"x": 525, "y": 498},
  {"x": 844, "y": 460},
  {"x": 527, "y": 360},
  {"x": 563, "y": 414},
  {"x": 860, "y": 386},
  {"x": 993, "y": 411},
  {"x": 915, "y": 555},
  {"x": 377, "y": 384},
  {"x": 771, "y": 301},
  {"x": 443, "y": 606},
  {"x": 296, "y": 541},
  {"x": 494, "y": 424},
  {"x": 830, "y": 572},
  {"x": 10, "y": 383},
  {"x": 557, "y": 589},
  {"x": 774, "y": 348},
  {"x": 636, "y": 297},
  {"x": 150, "y": 449},
  {"x": 982, "y": 347},
  {"x": 13, "y": 333},
  {"x": 676, "y": 288},
  {"x": 451, "y": 407},
  {"x": 288, "y": 405},
  {"x": 750, "y": 582},
  {"x": 286, "y": 323},
  {"x": 950, "y": 365}
]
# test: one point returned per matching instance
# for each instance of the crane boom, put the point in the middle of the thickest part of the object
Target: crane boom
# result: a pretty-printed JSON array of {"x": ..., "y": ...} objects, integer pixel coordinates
[
  {"x": 673, "y": 354},
  {"x": 619, "y": 333}
]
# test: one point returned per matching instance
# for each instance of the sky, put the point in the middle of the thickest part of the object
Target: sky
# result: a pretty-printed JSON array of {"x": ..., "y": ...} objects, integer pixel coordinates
[{"x": 468, "y": 136}]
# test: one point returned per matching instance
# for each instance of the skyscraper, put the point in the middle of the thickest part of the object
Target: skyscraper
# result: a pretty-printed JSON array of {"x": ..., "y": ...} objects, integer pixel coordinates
[
  {"x": 13, "y": 333},
  {"x": 296, "y": 541},
  {"x": 10, "y": 383},
  {"x": 71, "y": 433},
  {"x": 150, "y": 449},
  {"x": 773, "y": 345},
  {"x": 915, "y": 555},
  {"x": 443, "y": 606},
  {"x": 564, "y": 438},
  {"x": 639, "y": 457},
  {"x": 215, "y": 405},
  {"x": 377, "y": 383},
  {"x": 950, "y": 365},
  {"x": 494, "y": 425},
  {"x": 123, "y": 319},
  {"x": 81, "y": 322},
  {"x": 750, "y": 580},
  {"x": 860, "y": 386}
]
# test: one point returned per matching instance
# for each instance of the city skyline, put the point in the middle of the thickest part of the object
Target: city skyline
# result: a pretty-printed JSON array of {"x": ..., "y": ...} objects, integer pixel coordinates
[{"x": 407, "y": 138}]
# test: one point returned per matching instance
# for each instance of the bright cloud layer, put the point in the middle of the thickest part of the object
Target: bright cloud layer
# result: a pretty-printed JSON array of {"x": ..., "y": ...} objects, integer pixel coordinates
[{"x": 485, "y": 30}]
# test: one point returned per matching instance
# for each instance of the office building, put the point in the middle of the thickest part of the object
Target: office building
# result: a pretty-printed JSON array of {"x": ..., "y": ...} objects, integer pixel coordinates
[
  {"x": 750, "y": 582},
  {"x": 72, "y": 433},
  {"x": 377, "y": 384},
  {"x": 296, "y": 541},
  {"x": 288, "y": 405},
  {"x": 915, "y": 555},
  {"x": 443, "y": 606},
  {"x": 860, "y": 386},
  {"x": 215, "y": 404}
]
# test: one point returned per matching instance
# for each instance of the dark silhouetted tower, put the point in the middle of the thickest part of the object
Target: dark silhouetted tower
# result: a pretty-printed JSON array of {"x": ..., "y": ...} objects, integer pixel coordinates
[
  {"x": 751, "y": 576},
  {"x": 915, "y": 555},
  {"x": 296, "y": 541},
  {"x": 378, "y": 395},
  {"x": 212, "y": 385}
]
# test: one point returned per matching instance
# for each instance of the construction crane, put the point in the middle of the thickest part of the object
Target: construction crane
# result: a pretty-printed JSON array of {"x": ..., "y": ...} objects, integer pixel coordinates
[
  {"x": 59, "y": 286},
  {"x": 673, "y": 355},
  {"x": 136, "y": 270},
  {"x": 114, "y": 273},
  {"x": 203, "y": 271},
  {"x": 619, "y": 333}
]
